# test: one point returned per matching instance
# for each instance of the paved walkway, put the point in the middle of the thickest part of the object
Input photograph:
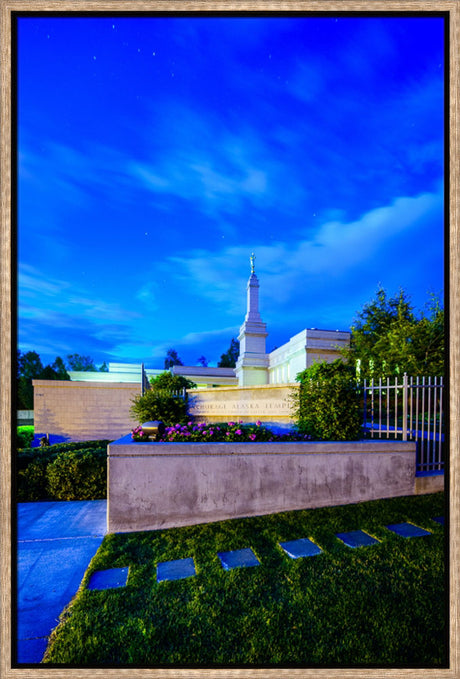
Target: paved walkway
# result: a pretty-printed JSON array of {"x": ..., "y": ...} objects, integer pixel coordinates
[{"x": 56, "y": 542}]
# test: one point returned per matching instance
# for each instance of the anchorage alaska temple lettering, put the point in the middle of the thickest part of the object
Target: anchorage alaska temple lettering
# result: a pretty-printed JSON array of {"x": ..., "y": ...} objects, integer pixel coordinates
[{"x": 254, "y": 366}]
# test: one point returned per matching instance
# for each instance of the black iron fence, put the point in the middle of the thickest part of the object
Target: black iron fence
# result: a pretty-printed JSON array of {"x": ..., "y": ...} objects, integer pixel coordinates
[{"x": 409, "y": 409}]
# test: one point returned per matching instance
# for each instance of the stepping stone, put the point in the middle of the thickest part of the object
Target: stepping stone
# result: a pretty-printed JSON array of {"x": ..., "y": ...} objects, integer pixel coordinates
[
  {"x": 109, "y": 579},
  {"x": 237, "y": 558},
  {"x": 439, "y": 519},
  {"x": 357, "y": 538},
  {"x": 299, "y": 548},
  {"x": 175, "y": 570},
  {"x": 407, "y": 530}
]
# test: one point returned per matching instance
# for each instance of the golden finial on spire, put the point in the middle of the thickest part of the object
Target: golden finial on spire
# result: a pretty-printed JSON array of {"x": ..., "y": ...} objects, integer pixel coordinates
[{"x": 252, "y": 258}]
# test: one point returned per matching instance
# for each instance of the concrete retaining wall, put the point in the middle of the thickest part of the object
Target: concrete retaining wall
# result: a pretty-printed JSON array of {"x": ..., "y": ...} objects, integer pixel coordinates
[
  {"x": 161, "y": 485},
  {"x": 83, "y": 411}
]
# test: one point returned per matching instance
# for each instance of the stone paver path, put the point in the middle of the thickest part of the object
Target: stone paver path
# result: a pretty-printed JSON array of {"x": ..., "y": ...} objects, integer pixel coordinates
[
  {"x": 297, "y": 549},
  {"x": 357, "y": 538},
  {"x": 407, "y": 530},
  {"x": 175, "y": 570},
  {"x": 240, "y": 558},
  {"x": 109, "y": 579}
]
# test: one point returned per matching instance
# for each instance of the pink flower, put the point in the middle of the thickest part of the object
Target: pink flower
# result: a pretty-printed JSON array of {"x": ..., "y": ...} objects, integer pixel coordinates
[
  {"x": 227, "y": 434},
  {"x": 258, "y": 423},
  {"x": 252, "y": 437},
  {"x": 238, "y": 431}
]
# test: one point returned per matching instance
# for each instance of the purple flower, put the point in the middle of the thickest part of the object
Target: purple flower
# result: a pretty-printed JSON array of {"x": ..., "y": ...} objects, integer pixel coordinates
[
  {"x": 227, "y": 434},
  {"x": 252, "y": 437},
  {"x": 231, "y": 424},
  {"x": 189, "y": 424},
  {"x": 238, "y": 431},
  {"x": 258, "y": 423}
]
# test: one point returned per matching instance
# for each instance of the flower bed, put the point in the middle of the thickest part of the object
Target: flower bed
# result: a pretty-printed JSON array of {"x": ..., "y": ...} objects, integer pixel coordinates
[{"x": 219, "y": 432}]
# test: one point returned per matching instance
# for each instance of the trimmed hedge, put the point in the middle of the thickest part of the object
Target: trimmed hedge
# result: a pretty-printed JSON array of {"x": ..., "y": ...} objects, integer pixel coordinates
[{"x": 64, "y": 471}]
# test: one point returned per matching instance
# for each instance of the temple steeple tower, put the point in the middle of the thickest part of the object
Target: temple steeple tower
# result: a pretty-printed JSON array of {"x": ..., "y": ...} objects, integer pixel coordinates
[{"x": 252, "y": 365}]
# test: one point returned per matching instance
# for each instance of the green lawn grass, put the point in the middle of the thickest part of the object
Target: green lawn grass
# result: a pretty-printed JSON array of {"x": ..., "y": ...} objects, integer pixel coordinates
[{"x": 381, "y": 605}]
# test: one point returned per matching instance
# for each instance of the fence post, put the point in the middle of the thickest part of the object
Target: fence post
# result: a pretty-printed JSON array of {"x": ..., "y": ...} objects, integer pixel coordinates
[{"x": 404, "y": 423}]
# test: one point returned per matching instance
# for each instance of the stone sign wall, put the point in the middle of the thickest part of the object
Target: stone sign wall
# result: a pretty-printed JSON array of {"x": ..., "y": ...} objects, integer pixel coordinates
[
  {"x": 82, "y": 411},
  {"x": 271, "y": 404}
]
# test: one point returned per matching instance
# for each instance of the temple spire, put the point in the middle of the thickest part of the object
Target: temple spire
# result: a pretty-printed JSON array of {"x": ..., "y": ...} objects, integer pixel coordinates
[{"x": 252, "y": 365}]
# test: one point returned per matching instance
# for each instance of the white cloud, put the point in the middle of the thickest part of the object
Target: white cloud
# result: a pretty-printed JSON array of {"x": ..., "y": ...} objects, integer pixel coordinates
[
  {"x": 332, "y": 252},
  {"x": 57, "y": 299}
]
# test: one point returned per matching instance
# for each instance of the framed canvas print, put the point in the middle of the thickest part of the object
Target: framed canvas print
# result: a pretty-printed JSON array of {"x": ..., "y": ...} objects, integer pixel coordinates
[{"x": 229, "y": 338}]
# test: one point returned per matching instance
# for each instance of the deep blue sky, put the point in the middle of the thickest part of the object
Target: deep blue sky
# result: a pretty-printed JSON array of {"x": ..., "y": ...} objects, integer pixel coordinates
[{"x": 155, "y": 154}]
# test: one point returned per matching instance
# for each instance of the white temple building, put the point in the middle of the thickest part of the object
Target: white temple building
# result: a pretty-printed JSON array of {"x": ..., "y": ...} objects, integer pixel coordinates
[
  {"x": 281, "y": 366},
  {"x": 254, "y": 366}
]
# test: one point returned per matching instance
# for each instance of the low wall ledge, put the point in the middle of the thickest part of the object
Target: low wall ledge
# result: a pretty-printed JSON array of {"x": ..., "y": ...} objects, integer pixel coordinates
[{"x": 126, "y": 447}]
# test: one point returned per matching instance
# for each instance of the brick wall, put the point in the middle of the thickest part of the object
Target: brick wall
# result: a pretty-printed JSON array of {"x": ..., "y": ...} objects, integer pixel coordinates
[{"x": 83, "y": 411}]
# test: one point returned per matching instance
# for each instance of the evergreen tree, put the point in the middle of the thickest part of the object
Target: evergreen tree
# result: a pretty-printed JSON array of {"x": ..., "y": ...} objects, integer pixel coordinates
[
  {"x": 229, "y": 359},
  {"x": 172, "y": 359}
]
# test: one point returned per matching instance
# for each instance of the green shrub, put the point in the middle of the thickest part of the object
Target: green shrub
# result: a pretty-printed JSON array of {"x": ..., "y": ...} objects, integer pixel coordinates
[
  {"x": 32, "y": 481},
  {"x": 155, "y": 406},
  {"x": 84, "y": 463},
  {"x": 166, "y": 381},
  {"x": 328, "y": 402},
  {"x": 78, "y": 475},
  {"x": 24, "y": 436}
]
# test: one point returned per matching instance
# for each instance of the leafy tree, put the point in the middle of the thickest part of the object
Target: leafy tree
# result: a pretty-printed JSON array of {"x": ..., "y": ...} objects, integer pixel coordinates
[
  {"x": 29, "y": 365},
  {"x": 104, "y": 368},
  {"x": 79, "y": 363},
  {"x": 167, "y": 382},
  {"x": 203, "y": 361},
  {"x": 156, "y": 405},
  {"x": 161, "y": 401},
  {"x": 387, "y": 338},
  {"x": 328, "y": 403},
  {"x": 229, "y": 359},
  {"x": 172, "y": 358}
]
